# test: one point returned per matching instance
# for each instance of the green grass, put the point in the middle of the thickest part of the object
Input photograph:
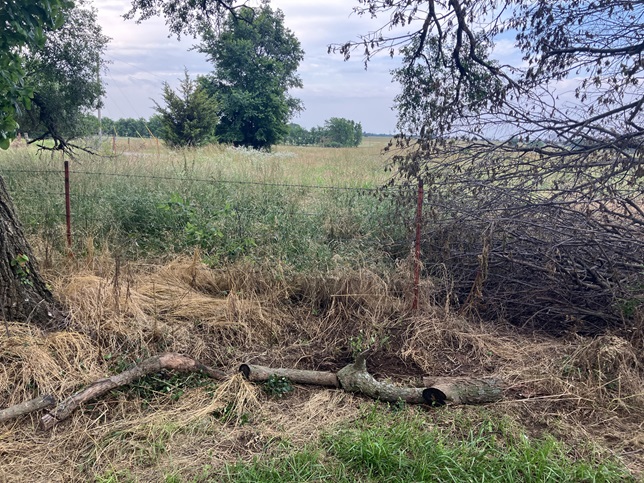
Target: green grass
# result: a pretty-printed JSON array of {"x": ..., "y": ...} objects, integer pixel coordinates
[
  {"x": 404, "y": 446},
  {"x": 229, "y": 203}
]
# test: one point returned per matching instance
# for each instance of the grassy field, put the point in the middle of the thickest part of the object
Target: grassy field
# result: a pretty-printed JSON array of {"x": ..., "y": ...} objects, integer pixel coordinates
[
  {"x": 233, "y": 257},
  {"x": 302, "y": 206}
]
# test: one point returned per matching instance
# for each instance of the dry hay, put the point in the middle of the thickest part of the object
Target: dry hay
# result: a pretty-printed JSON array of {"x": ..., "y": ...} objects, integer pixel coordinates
[
  {"x": 573, "y": 387},
  {"x": 579, "y": 389},
  {"x": 54, "y": 363},
  {"x": 611, "y": 370},
  {"x": 147, "y": 311}
]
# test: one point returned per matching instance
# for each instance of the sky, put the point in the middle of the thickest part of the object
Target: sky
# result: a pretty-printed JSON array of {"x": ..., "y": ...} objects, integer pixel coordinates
[{"x": 142, "y": 57}]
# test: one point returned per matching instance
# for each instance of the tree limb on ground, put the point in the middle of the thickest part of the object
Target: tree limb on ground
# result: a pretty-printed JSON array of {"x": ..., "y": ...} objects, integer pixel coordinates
[
  {"x": 352, "y": 378},
  {"x": 27, "y": 407},
  {"x": 462, "y": 390},
  {"x": 169, "y": 360},
  {"x": 436, "y": 391},
  {"x": 355, "y": 378},
  {"x": 262, "y": 374}
]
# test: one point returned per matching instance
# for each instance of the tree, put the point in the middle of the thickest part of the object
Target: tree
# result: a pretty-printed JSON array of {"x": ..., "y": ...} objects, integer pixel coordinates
[
  {"x": 336, "y": 132},
  {"x": 343, "y": 132},
  {"x": 297, "y": 135},
  {"x": 128, "y": 127},
  {"x": 256, "y": 60},
  {"x": 186, "y": 16},
  {"x": 189, "y": 118},
  {"x": 23, "y": 293},
  {"x": 543, "y": 163},
  {"x": 24, "y": 24},
  {"x": 64, "y": 76},
  {"x": 155, "y": 125}
]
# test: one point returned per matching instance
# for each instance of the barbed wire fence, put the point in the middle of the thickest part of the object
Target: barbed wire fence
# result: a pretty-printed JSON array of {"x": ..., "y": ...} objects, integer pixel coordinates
[
  {"x": 228, "y": 216},
  {"x": 542, "y": 266}
]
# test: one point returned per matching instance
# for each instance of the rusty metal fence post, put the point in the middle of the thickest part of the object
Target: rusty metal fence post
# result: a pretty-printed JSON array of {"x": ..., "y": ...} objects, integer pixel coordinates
[
  {"x": 68, "y": 209},
  {"x": 419, "y": 222}
]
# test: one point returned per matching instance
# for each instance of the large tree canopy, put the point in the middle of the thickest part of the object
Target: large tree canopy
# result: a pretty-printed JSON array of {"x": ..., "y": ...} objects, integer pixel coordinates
[
  {"x": 64, "y": 74},
  {"x": 185, "y": 16},
  {"x": 256, "y": 59},
  {"x": 535, "y": 170},
  {"x": 577, "y": 95}
]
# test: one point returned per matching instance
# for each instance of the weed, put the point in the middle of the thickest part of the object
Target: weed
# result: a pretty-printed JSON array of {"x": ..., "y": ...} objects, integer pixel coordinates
[
  {"x": 227, "y": 414},
  {"x": 234, "y": 205},
  {"x": 364, "y": 341},
  {"x": 115, "y": 476},
  {"x": 400, "y": 447},
  {"x": 278, "y": 386},
  {"x": 20, "y": 265}
]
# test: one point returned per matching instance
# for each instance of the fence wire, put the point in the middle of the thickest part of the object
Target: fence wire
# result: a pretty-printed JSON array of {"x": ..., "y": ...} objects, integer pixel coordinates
[{"x": 157, "y": 213}]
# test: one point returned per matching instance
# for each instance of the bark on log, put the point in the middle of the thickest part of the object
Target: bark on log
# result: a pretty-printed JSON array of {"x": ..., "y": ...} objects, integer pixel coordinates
[
  {"x": 154, "y": 364},
  {"x": 463, "y": 391},
  {"x": 261, "y": 374},
  {"x": 355, "y": 378},
  {"x": 27, "y": 407}
]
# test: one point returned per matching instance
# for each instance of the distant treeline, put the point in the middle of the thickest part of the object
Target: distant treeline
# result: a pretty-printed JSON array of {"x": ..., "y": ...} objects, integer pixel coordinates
[
  {"x": 125, "y": 127},
  {"x": 336, "y": 132}
]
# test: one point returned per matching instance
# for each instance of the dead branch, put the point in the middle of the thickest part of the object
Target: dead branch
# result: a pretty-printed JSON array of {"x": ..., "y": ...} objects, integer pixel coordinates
[
  {"x": 170, "y": 361},
  {"x": 355, "y": 378},
  {"x": 352, "y": 378},
  {"x": 261, "y": 374},
  {"x": 27, "y": 407}
]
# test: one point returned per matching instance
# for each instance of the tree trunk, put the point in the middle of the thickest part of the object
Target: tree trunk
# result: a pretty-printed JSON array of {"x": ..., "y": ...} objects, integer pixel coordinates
[{"x": 24, "y": 296}]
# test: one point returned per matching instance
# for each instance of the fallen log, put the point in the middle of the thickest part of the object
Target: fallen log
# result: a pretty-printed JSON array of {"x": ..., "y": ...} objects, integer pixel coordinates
[
  {"x": 463, "y": 390},
  {"x": 352, "y": 378},
  {"x": 169, "y": 360},
  {"x": 27, "y": 407},
  {"x": 355, "y": 378},
  {"x": 299, "y": 376}
]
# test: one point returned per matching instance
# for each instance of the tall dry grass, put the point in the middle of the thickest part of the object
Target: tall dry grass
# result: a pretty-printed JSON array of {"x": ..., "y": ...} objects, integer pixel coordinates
[
  {"x": 577, "y": 389},
  {"x": 230, "y": 203}
]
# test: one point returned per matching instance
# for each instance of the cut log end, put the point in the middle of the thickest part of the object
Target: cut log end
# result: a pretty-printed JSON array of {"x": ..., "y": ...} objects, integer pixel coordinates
[
  {"x": 245, "y": 370},
  {"x": 434, "y": 397},
  {"x": 464, "y": 391}
]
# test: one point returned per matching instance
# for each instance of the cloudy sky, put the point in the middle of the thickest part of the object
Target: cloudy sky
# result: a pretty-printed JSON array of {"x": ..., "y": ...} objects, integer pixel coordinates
[{"x": 142, "y": 57}]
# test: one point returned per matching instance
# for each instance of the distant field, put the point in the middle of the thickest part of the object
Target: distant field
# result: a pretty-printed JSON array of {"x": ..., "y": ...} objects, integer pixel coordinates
[{"x": 301, "y": 205}]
